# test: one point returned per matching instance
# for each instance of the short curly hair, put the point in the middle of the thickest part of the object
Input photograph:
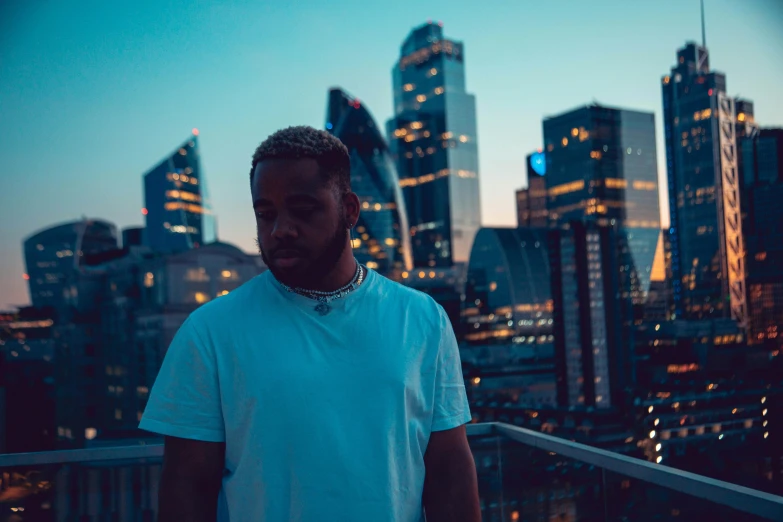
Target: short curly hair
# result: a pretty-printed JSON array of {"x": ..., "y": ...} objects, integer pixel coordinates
[{"x": 306, "y": 142}]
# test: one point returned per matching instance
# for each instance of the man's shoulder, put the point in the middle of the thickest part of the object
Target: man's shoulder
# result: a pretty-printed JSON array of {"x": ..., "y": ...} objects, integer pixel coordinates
[
  {"x": 408, "y": 297},
  {"x": 232, "y": 306}
]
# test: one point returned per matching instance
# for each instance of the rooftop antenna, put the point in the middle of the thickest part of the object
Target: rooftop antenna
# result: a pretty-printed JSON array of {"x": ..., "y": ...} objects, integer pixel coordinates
[{"x": 703, "y": 30}]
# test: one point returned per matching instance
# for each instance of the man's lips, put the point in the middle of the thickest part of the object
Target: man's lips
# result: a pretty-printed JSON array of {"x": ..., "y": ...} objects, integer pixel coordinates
[{"x": 287, "y": 258}]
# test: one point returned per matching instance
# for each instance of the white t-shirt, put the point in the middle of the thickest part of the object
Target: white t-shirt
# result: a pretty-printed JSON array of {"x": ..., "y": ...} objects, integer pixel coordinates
[{"x": 325, "y": 418}]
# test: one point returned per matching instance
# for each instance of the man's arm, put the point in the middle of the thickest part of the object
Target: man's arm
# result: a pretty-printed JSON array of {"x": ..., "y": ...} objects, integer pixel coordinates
[
  {"x": 191, "y": 479},
  {"x": 450, "y": 484}
]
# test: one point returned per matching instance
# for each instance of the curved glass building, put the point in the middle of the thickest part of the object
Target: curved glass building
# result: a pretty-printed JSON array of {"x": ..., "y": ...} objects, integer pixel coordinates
[
  {"x": 508, "y": 319},
  {"x": 382, "y": 241},
  {"x": 53, "y": 253}
]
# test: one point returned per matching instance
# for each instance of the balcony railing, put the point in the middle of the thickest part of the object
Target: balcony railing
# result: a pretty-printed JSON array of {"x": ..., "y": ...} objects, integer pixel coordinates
[{"x": 523, "y": 476}]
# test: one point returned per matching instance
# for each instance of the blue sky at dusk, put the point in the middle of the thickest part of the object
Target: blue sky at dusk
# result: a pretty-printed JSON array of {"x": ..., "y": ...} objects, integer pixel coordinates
[{"x": 92, "y": 94}]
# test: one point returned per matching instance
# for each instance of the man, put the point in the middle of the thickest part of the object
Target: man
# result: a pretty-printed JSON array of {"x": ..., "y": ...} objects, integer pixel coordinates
[{"x": 319, "y": 390}]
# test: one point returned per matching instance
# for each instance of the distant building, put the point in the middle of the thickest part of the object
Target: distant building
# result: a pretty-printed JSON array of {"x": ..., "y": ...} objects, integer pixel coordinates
[
  {"x": 135, "y": 300},
  {"x": 762, "y": 194},
  {"x": 52, "y": 255},
  {"x": 382, "y": 233},
  {"x": 602, "y": 168},
  {"x": 702, "y": 129},
  {"x": 433, "y": 139},
  {"x": 532, "y": 200},
  {"x": 27, "y": 380},
  {"x": 176, "y": 207},
  {"x": 593, "y": 315},
  {"x": 508, "y": 319},
  {"x": 601, "y": 165}
]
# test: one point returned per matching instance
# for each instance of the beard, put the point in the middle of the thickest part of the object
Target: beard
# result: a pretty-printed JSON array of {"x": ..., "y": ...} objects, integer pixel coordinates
[{"x": 310, "y": 273}]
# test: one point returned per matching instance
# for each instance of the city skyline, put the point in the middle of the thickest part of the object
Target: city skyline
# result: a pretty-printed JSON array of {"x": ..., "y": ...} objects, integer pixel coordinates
[{"x": 83, "y": 119}]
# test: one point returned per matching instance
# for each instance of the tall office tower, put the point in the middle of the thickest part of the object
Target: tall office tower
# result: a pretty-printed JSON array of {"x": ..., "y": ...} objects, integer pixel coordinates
[
  {"x": 433, "y": 139},
  {"x": 383, "y": 237},
  {"x": 532, "y": 201},
  {"x": 762, "y": 193},
  {"x": 593, "y": 315},
  {"x": 52, "y": 254},
  {"x": 602, "y": 168},
  {"x": 507, "y": 318},
  {"x": 701, "y": 127},
  {"x": 176, "y": 207}
]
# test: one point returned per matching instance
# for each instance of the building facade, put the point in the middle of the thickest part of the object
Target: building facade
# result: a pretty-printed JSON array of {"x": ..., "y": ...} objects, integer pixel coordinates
[
  {"x": 593, "y": 315},
  {"x": 602, "y": 169},
  {"x": 176, "y": 206},
  {"x": 532, "y": 200},
  {"x": 433, "y": 139},
  {"x": 383, "y": 240},
  {"x": 508, "y": 319},
  {"x": 762, "y": 193},
  {"x": 702, "y": 126},
  {"x": 52, "y": 255}
]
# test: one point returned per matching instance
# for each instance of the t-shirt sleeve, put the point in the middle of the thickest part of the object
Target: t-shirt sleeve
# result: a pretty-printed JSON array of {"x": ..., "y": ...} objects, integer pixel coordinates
[
  {"x": 185, "y": 399},
  {"x": 451, "y": 402}
]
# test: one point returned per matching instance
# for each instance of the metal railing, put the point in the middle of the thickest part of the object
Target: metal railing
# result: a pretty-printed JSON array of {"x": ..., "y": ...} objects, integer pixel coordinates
[{"x": 740, "y": 498}]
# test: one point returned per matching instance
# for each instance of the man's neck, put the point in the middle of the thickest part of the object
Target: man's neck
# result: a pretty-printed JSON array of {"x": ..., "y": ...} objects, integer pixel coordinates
[{"x": 342, "y": 274}]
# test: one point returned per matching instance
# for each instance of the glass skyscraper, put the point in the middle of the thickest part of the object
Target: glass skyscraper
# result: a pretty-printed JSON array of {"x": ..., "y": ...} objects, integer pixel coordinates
[
  {"x": 701, "y": 128},
  {"x": 54, "y": 254},
  {"x": 176, "y": 206},
  {"x": 762, "y": 193},
  {"x": 508, "y": 318},
  {"x": 383, "y": 238},
  {"x": 433, "y": 139},
  {"x": 601, "y": 168}
]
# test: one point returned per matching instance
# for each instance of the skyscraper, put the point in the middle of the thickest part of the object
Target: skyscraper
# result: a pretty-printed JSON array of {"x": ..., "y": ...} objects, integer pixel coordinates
[
  {"x": 532, "y": 201},
  {"x": 433, "y": 138},
  {"x": 762, "y": 193},
  {"x": 383, "y": 241},
  {"x": 593, "y": 315},
  {"x": 52, "y": 254},
  {"x": 701, "y": 128},
  {"x": 602, "y": 168},
  {"x": 175, "y": 202}
]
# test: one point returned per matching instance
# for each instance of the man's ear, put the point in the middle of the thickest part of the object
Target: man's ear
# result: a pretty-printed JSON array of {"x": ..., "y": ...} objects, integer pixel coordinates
[{"x": 351, "y": 206}]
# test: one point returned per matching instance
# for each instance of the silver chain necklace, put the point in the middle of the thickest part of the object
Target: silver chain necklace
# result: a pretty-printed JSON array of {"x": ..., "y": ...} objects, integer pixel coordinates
[{"x": 324, "y": 298}]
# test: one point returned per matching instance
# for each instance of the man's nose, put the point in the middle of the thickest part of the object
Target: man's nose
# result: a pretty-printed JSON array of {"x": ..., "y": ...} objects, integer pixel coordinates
[{"x": 284, "y": 229}]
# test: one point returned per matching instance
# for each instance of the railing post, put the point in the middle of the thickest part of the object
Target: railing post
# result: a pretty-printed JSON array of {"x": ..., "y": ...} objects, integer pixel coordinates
[{"x": 603, "y": 493}]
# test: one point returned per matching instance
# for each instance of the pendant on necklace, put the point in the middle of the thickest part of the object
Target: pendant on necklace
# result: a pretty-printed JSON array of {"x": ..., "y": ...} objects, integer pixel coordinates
[{"x": 323, "y": 309}]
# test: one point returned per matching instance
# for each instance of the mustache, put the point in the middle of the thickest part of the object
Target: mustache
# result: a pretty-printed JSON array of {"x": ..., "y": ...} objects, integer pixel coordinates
[{"x": 270, "y": 252}]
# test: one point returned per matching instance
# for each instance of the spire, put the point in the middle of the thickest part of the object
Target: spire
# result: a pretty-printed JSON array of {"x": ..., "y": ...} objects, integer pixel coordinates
[{"x": 703, "y": 30}]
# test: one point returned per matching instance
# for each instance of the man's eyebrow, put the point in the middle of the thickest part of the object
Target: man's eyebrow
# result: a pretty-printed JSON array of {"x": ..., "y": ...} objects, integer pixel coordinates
[
  {"x": 261, "y": 202},
  {"x": 301, "y": 198}
]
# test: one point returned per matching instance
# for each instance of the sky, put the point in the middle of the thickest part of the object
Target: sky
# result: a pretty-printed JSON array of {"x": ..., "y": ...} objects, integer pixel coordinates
[{"x": 92, "y": 94}]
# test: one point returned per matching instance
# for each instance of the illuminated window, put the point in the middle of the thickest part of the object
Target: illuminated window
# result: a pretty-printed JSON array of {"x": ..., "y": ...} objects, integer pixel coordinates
[
  {"x": 409, "y": 138},
  {"x": 372, "y": 264},
  {"x": 390, "y": 241},
  {"x": 463, "y": 139},
  {"x": 761, "y": 256},
  {"x": 422, "y": 275},
  {"x": 574, "y": 132},
  {"x": 421, "y": 98},
  {"x": 356, "y": 243},
  {"x": 493, "y": 286},
  {"x": 405, "y": 275},
  {"x": 741, "y": 116},
  {"x": 438, "y": 90},
  {"x": 416, "y": 125},
  {"x": 183, "y": 152},
  {"x": 615, "y": 183},
  {"x": 408, "y": 87},
  {"x": 566, "y": 188},
  {"x": 90, "y": 433},
  {"x": 222, "y": 293},
  {"x": 149, "y": 279},
  {"x": 230, "y": 274},
  {"x": 564, "y": 142},
  {"x": 201, "y": 297},
  {"x": 196, "y": 275},
  {"x": 433, "y": 71},
  {"x": 118, "y": 414},
  {"x": 645, "y": 185}
]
